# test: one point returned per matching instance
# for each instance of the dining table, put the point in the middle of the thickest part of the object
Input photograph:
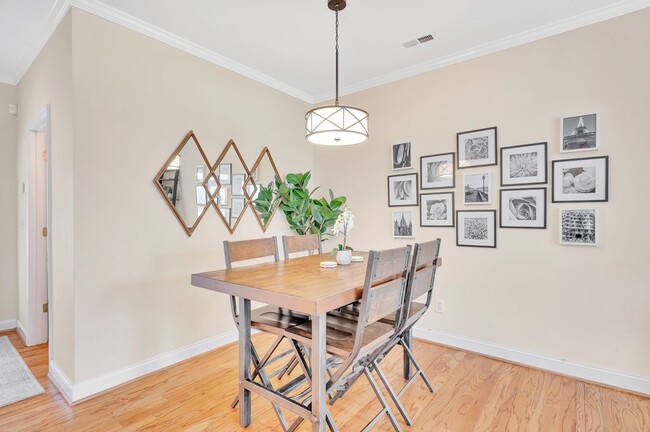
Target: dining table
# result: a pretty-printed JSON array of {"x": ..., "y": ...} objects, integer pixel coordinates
[{"x": 301, "y": 285}]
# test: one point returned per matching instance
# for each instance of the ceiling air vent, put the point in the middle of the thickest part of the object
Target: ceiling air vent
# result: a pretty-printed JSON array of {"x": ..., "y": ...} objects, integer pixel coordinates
[{"x": 418, "y": 41}]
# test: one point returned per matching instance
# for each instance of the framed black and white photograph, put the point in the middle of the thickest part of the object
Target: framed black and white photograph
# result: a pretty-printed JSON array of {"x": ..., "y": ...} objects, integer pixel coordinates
[
  {"x": 200, "y": 173},
  {"x": 403, "y": 224},
  {"x": 223, "y": 198},
  {"x": 211, "y": 185},
  {"x": 523, "y": 208},
  {"x": 403, "y": 190},
  {"x": 201, "y": 197},
  {"x": 476, "y": 228},
  {"x": 580, "y": 227},
  {"x": 523, "y": 165},
  {"x": 437, "y": 171},
  {"x": 402, "y": 156},
  {"x": 238, "y": 184},
  {"x": 236, "y": 207},
  {"x": 224, "y": 173},
  {"x": 581, "y": 180},
  {"x": 579, "y": 133},
  {"x": 437, "y": 209},
  {"x": 477, "y": 188},
  {"x": 477, "y": 147}
]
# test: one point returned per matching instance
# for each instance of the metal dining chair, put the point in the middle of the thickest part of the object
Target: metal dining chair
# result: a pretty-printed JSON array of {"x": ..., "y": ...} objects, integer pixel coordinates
[
  {"x": 270, "y": 319},
  {"x": 309, "y": 243},
  {"x": 353, "y": 339}
]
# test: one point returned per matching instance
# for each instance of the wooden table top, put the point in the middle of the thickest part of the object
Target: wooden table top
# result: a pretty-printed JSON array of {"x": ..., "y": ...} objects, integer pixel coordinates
[{"x": 299, "y": 284}]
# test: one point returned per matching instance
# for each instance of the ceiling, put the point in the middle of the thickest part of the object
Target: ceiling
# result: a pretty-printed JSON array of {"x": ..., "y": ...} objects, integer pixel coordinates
[{"x": 289, "y": 45}]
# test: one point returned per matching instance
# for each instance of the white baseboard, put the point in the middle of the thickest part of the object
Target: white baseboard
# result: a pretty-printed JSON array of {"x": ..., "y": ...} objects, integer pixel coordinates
[
  {"x": 21, "y": 331},
  {"x": 93, "y": 386},
  {"x": 9, "y": 324},
  {"x": 588, "y": 373},
  {"x": 61, "y": 382}
]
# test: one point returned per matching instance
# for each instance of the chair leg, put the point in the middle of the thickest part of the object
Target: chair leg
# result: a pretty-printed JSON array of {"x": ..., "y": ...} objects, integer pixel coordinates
[
  {"x": 407, "y": 341},
  {"x": 385, "y": 408},
  {"x": 418, "y": 369},
  {"x": 392, "y": 393}
]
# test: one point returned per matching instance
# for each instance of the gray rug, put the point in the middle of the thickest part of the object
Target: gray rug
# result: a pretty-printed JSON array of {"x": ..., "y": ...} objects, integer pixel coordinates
[{"x": 16, "y": 380}]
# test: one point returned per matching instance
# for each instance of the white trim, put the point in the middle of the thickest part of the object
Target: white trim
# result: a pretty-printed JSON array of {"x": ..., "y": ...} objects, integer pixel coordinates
[
  {"x": 57, "y": 12},
  {"x": 589, "y": 373},
  {"x": 564, "y": 25},
  {"x": 9, "y": 324},
  {"x": 20, "y": 329},
  {"x": 61, "y": 7},
  {"x": 61, "y": 382},
  {"x": 96, "y": 385},
  {"x": 117, "y": 16}
]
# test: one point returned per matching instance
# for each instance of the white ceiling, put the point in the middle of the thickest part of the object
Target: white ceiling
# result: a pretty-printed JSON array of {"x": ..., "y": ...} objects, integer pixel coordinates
[{"x": 289, "y": 45}]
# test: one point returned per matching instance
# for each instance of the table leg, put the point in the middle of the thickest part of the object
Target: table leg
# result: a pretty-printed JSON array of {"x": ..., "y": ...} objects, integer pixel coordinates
[
  {"x": 408, "y": 340},
  {"x": 244, "y": 361},
  {"x": 319, "y": 381}
]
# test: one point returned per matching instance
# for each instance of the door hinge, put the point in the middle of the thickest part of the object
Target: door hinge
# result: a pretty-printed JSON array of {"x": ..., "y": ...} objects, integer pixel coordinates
[
  {"x": 44, "y": 155},
  {"x": 44, "y": 231},
  {"x": 45, "y": 307}
]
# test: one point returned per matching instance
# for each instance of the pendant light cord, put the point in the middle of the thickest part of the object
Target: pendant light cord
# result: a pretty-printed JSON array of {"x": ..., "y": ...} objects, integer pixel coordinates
[{"x": 337, "y": 56}]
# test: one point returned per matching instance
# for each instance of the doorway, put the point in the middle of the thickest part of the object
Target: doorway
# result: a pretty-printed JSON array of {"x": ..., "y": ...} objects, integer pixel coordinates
[{"x": 38, "y": 242}]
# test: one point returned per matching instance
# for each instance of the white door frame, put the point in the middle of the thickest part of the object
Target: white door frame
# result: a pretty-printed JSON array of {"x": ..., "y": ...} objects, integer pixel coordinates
[{"x": 39, "y": 328}]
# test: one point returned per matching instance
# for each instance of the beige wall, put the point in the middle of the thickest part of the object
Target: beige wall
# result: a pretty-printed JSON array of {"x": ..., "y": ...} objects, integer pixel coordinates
[
  {"x": 135, "y": 99},
  {"x": 49, "y": 82},
  {"x": 585, "y": 305},
  {"x": 8, "y": 196}
]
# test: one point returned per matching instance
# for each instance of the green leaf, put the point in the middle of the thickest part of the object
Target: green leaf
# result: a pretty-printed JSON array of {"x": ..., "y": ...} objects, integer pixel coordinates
[{"x": 293, "y": 179}]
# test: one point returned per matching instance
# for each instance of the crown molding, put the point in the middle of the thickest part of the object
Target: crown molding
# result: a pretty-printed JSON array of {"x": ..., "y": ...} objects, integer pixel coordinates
[
  {"x": 7, "y": 79},
  {"x": 592, "y": 17},
  {"x": 57, "y": 12},
  {"x": 116, "y": 16}
]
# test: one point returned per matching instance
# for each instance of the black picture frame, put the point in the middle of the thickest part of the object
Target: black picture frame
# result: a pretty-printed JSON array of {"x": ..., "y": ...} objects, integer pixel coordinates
[
  {"x": 492, "y": 244},
  {"x": 523, "y": 225},
  {"x": 491, "y": 150},
  {"x": 414, "y": 193},
  {"x": 423, "y": 159},
  {"x": 505, "y": 165},
  {"x": 559, "y": 180},
  {"x": 450, "y": 210}
]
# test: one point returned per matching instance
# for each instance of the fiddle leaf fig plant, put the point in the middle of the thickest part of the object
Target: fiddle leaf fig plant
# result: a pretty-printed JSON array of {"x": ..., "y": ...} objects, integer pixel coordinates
[{"x": 305, "y": 215}]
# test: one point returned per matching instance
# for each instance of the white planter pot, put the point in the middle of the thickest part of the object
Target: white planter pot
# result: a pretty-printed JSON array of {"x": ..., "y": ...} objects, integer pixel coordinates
[{"x": 344, "y": 257}]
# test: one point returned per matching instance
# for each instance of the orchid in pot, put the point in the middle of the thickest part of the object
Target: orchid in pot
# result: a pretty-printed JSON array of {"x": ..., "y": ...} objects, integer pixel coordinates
[{"x": 344, "y": 223}]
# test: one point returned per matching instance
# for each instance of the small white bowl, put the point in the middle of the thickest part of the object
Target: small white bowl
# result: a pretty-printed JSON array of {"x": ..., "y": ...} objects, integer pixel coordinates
[
  {"x": 328, "y": 264},
  {"x": 357, "y": 258}
]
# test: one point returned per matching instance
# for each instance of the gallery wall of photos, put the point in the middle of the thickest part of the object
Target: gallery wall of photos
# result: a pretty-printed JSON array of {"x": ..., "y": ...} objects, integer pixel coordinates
[{"x": 522, "y": 200}]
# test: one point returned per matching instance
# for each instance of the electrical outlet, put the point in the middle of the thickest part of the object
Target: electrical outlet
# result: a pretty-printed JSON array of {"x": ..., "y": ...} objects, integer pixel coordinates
[{"x": 439, "y": 306}]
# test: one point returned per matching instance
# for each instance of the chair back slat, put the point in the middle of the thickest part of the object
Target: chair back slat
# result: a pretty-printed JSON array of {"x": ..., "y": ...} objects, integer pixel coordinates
[
  {"x": 422, "y": 274},
  {"x": 244, "y": 250},
  {"x": 391, "y": 263},
  {"x": 385, "y": 299},
  {"x": 309, "y": 243}
]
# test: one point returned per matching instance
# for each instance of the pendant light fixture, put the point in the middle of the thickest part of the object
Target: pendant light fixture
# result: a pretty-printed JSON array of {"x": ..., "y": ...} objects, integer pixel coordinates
[{"x": 336, "y": 125}]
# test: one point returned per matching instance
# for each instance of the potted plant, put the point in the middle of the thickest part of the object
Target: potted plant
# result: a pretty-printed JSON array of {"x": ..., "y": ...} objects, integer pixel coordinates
[{"x": 344, "y": 223}]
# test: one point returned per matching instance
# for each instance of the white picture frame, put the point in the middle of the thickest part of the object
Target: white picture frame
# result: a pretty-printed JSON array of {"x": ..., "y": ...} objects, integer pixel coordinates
[
  {"x": 225, "y": 170},
  {"x": 580, "y": 132},
  {"x": 524, "y": 164},
  {"x": 437, "y": 209},
  {"x": 477, "y": 188},
  {"x": 237, "y": 205},
  {"x": 402, "y": 155},
  {"x": 580, "y": 227},
  {"x": 437, "y": 171},
  {"x": 403, "y": 224},
  {"x": 238, "y": 184}
]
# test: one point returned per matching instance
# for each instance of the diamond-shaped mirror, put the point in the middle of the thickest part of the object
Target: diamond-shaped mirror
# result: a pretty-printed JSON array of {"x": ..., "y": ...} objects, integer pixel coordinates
[
  {"x": 260, "y": 188},
  {"x": 231, "y": 174},
  {"x": 180, "y": 181}
]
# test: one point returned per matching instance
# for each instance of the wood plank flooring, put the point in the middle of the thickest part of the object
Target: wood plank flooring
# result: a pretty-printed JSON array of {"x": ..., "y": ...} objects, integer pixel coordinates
[{"x": 474, "y": 393}]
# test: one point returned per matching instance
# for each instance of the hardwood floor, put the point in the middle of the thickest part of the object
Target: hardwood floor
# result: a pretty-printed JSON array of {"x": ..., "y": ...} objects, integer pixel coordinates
[{"x": 474, "y": 393}]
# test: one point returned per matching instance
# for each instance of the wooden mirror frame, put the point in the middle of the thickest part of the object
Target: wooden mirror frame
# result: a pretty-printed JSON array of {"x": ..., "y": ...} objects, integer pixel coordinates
[
  {"x": 265, "y": 152},
  {"x": 189, "y": 230},
  {"x": 213, "y": 171}
]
